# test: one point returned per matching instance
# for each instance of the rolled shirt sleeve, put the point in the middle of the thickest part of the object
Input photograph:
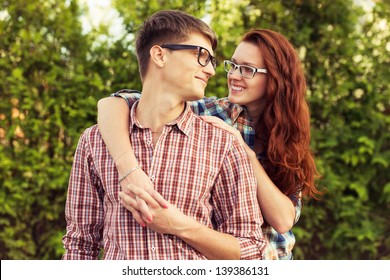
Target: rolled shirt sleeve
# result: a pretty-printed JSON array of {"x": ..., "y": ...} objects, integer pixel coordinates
[
  {"x": 237, "y": 211},
  {"x": 84, "y": 208}
]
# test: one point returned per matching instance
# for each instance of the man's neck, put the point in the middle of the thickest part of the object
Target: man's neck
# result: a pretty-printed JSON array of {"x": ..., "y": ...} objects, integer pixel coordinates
[{"x": 156, "y": 109}]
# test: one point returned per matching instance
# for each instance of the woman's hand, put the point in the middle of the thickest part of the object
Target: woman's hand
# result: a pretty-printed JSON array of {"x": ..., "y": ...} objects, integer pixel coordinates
[
  {"x": 141, "y": 179},
  {"x": 217, "y": 122},
  {"x": 146, "y": 207}
]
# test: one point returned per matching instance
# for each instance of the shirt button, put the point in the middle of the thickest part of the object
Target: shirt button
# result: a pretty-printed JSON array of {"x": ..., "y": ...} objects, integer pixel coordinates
[
  {"x": 250, "y": 129},
  {"x": 152, "y": 178},
  {"x": 153, "y": 249},
  {"x": 148, "y": 142}
]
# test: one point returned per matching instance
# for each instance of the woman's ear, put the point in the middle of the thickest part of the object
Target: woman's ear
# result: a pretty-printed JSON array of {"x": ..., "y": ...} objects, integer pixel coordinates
[{"x": 157, "y": 56}]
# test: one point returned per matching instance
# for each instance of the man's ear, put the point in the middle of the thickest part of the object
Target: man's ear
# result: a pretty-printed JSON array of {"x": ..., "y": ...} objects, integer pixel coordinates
[{"x": 157, "y": 56}]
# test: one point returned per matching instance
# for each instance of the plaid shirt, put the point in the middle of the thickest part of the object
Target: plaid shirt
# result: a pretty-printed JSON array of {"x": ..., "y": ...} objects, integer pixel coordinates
[
  {"x": 279, "y": 246},
  {"x": 215, "y": 186}
]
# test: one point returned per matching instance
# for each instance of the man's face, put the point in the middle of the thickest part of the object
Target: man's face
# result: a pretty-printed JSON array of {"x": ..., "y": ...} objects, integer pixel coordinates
[{"x": 183, "y": 70}]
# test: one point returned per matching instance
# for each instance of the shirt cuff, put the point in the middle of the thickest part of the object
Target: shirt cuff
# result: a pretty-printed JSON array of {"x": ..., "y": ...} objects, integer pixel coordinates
[{"x": 251, "y": 248}]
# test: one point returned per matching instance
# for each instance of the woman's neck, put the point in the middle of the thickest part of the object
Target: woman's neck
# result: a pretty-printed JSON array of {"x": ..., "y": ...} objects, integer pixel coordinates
[{"x": 255, "y": 112}]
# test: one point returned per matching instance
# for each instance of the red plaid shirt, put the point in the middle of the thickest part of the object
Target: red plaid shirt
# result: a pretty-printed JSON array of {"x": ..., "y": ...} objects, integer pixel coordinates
[{"x": 200, "y": 169}]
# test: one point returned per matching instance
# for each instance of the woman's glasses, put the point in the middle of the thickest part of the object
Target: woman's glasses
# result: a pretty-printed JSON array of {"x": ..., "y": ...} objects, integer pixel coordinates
[{"x": 244, "y": 70}]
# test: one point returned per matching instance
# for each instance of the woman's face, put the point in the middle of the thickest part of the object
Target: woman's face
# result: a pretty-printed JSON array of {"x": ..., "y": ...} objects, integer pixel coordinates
[{"x": 244, "y": 91}]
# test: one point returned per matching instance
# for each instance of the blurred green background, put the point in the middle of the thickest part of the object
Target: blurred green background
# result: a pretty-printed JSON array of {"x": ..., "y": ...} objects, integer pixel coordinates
[{"x": 55, "y": 65}]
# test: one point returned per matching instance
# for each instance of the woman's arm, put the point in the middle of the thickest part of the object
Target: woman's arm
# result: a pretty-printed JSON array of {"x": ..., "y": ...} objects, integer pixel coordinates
[
  {"x": 170, "y": 220},
  {"x": 113, "y": 122},
  {"x": 277, "y": 209}
]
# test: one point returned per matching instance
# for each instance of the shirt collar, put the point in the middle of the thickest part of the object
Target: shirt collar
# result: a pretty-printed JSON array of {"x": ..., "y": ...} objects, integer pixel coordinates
[
  {"x": 240, "y": 114},
  {"x": 236, "y": 112},
  {"x": 183, "y": 122}
]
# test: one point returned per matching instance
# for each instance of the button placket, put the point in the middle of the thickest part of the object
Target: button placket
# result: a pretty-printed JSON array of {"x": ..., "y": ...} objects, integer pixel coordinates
[
  {"x": 152, "y": 240},
  {"x": 158, "y": 154}
]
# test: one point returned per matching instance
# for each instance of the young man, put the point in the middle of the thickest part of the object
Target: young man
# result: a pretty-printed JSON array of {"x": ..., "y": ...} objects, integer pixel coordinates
[{"x": 210, "y": 193}]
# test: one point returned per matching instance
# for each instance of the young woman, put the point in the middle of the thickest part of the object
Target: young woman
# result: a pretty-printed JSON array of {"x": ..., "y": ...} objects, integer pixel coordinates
[{"x": 267, "y": 112}]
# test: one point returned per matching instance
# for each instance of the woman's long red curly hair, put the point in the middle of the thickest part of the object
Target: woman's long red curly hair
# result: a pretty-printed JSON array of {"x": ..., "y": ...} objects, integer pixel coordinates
[{"x": 286, "y": 118}]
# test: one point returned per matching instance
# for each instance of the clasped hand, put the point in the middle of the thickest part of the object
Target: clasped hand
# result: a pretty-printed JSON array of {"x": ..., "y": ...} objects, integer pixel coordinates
[{"x": 150, "y": 209}]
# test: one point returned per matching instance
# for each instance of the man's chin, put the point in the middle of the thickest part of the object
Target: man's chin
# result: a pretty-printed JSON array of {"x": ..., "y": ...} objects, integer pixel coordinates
[{"x": 196, "y": 96}]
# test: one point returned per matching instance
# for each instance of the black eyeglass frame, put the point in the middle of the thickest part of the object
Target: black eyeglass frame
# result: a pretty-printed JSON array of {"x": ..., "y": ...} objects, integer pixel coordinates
[
  {"x": 239, "y": 66},
  {"x": 210, "y": 58}
]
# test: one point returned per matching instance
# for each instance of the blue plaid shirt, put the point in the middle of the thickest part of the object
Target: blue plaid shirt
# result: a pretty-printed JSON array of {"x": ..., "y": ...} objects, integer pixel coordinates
[{"x": 279, "y": 246}]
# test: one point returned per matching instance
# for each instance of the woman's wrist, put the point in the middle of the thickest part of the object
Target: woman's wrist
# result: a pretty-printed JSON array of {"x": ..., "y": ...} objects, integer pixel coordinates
[{"x": 124, "y": 163}]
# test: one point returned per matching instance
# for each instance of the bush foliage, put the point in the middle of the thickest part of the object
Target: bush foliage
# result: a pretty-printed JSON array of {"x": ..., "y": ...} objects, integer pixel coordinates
[{"x": 52, "y": 74}]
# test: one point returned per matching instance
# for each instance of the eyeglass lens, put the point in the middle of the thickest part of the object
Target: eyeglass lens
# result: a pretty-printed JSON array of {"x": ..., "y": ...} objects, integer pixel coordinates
[
  {"x": 204, "y": 57},
  {"x": 245, "y": 71}
]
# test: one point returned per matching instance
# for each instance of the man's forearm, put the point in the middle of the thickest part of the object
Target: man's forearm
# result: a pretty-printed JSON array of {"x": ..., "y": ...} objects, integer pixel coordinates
[{"x": 213, "y": 244}]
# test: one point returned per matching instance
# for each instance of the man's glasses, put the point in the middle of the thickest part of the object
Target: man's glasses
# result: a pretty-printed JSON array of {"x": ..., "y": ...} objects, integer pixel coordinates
[
  {"x": 244, "y": 70},
  {"x": 204, "y": 56}
]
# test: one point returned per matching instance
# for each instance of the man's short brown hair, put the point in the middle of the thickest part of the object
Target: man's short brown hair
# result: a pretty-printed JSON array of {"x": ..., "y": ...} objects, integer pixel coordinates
[{"x": 168, "y": 26}]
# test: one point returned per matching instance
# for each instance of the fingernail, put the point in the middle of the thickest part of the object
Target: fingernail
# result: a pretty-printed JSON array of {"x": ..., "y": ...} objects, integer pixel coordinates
[{"x": 150, "y": 219}]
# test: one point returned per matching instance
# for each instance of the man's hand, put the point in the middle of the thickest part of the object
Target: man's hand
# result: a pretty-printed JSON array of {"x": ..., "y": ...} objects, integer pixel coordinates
[{"x": 146, "y": 207}]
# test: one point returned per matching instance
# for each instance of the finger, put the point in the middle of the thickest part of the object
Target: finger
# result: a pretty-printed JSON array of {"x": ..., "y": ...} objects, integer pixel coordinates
[
  {"x": 136, "y": 214},
  {"x": 141, "y": 193},
  {"x": 130, "y": 204},
  {"x": 212, "y": 119},
  {"x": 221, "y": 124},
  {"x": 207, "y": 119},
  {"x": 128, "y": 200},
  {"x": 216, "y": 122},
  {"x": 144, "y": 209},
  {"x": 147, "y": 222},
  {"x": 149, "y": 196},
  {"x": 224, "y": 126},
  {"x": 127, "y": 189},
  {"x": 159, "y": 198}
]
